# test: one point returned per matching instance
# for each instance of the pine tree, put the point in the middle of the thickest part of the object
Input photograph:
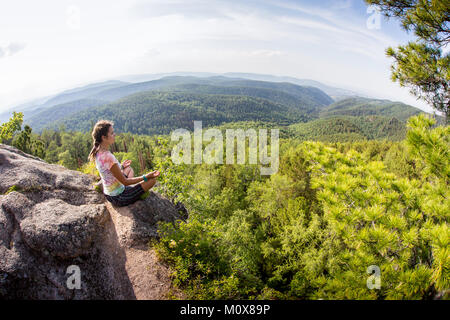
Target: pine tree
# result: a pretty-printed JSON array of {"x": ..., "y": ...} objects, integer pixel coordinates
[{"x": 421, "y": 65}]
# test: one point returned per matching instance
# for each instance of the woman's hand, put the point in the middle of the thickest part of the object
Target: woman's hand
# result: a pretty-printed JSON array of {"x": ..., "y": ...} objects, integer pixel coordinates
[
  {"x": 126, "y": 163},
  {"x": 152, "y": 174}
]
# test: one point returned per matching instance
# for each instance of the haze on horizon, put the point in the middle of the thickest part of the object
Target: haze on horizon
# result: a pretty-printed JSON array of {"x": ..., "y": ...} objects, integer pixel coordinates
[{"x": 50, "y": 46}]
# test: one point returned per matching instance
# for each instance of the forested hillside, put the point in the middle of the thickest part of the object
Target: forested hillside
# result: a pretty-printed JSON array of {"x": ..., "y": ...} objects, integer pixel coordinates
[
  {"x": 159, "y": 112},
  {"x": 40, "y": 119},
  {"x": 84, "y": 93},
  {"x": 162, "y": 112},
  {"x": 307, "y": 99},
  {"x": 162, "y": 105},
  {"x": 301, "y": 100},
  {"x": 350, "y": 128},
  {"x": 358, "y": 106}
]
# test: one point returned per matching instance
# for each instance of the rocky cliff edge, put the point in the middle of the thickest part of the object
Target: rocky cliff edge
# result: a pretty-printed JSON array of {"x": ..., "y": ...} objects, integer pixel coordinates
[{"x": 55, "y": 227}]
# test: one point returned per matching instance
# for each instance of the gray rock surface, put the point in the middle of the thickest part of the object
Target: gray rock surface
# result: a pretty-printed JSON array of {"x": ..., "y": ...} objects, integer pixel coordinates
[{"x": 51, "y": 218}]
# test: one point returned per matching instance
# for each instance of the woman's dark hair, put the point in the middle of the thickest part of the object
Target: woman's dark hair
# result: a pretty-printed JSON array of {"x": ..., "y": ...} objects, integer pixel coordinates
[{"x": 101, "y": 129}]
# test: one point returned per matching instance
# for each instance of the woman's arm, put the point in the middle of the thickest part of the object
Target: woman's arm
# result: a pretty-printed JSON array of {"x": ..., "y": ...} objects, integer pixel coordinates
[{"x": 117, "y": 173}]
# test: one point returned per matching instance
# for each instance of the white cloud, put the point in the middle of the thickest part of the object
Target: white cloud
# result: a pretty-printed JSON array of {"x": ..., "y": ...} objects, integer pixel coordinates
[
  {"x": 266, "y": 53},
  {"x": 10, "y": 49},
  {"x": 341, "y": 4},
  {"x": 311, "y": 24},
  {"x": 195, "y": 9}
]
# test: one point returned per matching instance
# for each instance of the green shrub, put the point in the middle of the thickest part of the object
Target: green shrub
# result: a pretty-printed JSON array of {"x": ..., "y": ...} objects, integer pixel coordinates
[{"x": 13, "y": 188}]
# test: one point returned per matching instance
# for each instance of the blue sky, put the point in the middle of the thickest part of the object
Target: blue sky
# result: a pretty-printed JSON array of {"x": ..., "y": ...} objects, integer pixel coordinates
[{"x": 50, "y": 45}]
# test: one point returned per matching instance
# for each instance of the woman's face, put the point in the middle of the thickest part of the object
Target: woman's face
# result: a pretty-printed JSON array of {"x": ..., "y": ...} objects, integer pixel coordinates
[{"x": 110, "y": 138}]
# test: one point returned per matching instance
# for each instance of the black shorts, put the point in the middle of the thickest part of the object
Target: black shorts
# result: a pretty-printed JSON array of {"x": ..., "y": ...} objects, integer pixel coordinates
[{"x": 128, "y": 196}]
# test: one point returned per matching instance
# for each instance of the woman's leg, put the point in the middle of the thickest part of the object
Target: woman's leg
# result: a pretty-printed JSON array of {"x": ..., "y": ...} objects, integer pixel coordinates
[
  {"x": 147, "y": 185},
  {"x": 129, "y": 172}
]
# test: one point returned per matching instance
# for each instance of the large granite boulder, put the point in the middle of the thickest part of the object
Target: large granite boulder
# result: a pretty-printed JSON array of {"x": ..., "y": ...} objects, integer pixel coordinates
[{"x": 54, "y": 226}]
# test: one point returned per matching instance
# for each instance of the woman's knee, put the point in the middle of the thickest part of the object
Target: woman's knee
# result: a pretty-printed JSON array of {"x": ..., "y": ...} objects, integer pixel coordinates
[
  {"x": 130, "y": 172},
  {"x": 127, "y": 171},
  {"x": 147, "y": 185}
]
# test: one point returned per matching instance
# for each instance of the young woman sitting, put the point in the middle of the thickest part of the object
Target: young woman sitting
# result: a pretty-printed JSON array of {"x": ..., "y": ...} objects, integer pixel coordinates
[{"x": 117, "y": 178}]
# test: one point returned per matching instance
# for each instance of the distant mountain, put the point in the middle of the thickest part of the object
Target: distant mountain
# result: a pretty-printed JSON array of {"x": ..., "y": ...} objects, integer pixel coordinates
[
  {"x": 298, "y": 100},
  {"x": 106, "y": 90},
  {"x": 335, "y": 93},
  {"x": 36, "y": 106},
  {"x": 350, "y": 128},
  {"x": 161, "y": 112},
  {"x": 88, "y": 91},
  {"x": 285, "y": 93},
  {"x": 157, "y": 112},
  {"x": 156, "y": 76},
  {"x": 26, "y": 107},
  {"x": 161, "y": 105},
  {"x": 308, "y": 102},
  {"x": 110, "y": 91},
  {"x": 311, "y": 96},
  {"x": 117, "y": 93},
  {"x": 55, "y": 113},
  {"x": 30, "y": 104},
  {"x": 357, "y": 119},
  {"x": 363, "y": 107},
  {"x": 331, "y": 91}
]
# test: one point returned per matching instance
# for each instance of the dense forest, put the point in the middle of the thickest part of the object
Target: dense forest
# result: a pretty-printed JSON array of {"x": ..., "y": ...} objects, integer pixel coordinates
[
  {"x": 350, "y": 128},
  {"x": 309, "y": 231},
  {"x": 358, "y": 106},
  {"x": 163, "y": 112}
]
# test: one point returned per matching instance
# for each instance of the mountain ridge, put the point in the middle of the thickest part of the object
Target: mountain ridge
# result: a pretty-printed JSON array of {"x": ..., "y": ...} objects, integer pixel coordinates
[
  {"x": 37, "y": 102},
  {"x": 298, "y": 99}
]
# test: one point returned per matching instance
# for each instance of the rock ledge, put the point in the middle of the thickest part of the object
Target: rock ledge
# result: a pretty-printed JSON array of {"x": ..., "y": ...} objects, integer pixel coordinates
[{"x": 51, "y": 218}]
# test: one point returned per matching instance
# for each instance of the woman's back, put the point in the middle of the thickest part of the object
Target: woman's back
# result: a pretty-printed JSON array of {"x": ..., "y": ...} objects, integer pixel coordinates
[{"x": 104, "y": 160}]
